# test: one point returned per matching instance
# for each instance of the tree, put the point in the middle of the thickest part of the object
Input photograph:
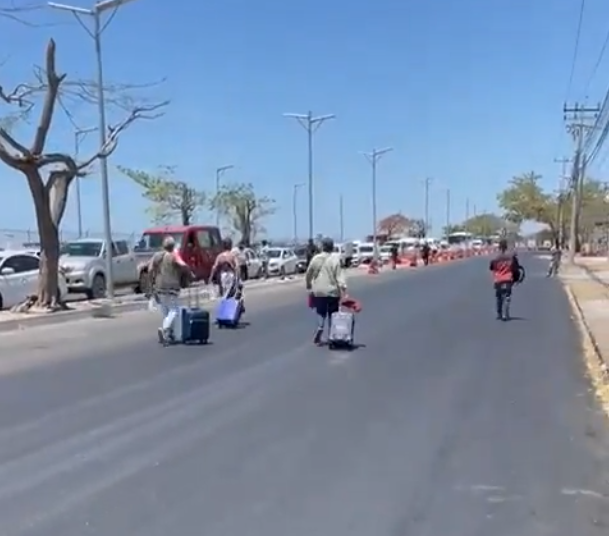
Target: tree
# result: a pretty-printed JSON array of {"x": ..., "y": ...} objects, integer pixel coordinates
[
  {"x": 49, "y": 174},
  {"x": 453, "y": 228},
  {"x": 524, "y": 199},
  {"x": 393, "y": 225},
  {"x": 484, "y": 225},
  {"x": 170, "y": 199},
  {"x": 245, "y": 210}
]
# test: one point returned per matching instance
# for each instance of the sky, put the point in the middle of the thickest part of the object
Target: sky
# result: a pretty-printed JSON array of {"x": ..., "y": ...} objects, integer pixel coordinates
[{"x": 468, "y": 93}]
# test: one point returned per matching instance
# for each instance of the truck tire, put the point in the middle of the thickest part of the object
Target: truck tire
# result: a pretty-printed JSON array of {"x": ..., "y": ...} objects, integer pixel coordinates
[{"x": 98, "y": 287}]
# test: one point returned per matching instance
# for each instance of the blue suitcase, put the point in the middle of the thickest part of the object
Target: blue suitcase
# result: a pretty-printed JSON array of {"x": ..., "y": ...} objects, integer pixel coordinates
[{"x": 228, "y": 312}]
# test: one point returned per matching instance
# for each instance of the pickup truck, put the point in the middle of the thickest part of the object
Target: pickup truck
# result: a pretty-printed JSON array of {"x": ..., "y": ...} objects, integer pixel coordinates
[
  {"x": 84, "y": 264},
  {"x": 198, "y": 245}
]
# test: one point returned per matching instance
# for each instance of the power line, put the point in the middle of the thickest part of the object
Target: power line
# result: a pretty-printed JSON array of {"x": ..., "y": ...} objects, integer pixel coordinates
[
  {"x": 582, "y": 8},
  {"x": 598, "y": 61}
]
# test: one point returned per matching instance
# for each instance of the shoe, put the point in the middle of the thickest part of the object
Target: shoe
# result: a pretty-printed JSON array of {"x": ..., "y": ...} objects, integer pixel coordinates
[
  {"x": 160, "y": 335},
  {"x": 317, "y": 337}
]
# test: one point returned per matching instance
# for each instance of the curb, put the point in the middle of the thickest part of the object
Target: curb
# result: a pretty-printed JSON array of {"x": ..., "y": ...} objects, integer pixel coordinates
[
  {"x": 584, "y": 328},
  {"x": 102, "y": 311}
]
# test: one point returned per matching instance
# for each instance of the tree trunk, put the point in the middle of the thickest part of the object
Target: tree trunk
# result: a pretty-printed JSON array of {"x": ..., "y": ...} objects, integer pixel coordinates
[{"x": 49, "y": 241}]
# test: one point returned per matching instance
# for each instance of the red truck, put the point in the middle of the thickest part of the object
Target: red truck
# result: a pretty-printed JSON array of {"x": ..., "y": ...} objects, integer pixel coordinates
[{"x": 198, "y": 245}]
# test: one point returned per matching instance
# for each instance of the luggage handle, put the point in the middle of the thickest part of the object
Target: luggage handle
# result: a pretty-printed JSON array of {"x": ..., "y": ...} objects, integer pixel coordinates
[{"x": 196, "y": 301}]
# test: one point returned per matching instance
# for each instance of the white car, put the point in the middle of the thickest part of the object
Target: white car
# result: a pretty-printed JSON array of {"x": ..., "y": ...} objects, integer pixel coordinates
[
  {"x": 19, "y": 278},
  {"x": 254, "y": 264},
  {"x": 282, "y": 261}
]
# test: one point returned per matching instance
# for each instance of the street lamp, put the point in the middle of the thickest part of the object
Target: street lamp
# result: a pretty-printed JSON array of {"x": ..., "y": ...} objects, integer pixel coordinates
[
  {"x": 79, "y": 135},
  {"x": 219, "y": 172},
  {"x": 373, "y": 158},
  {"x": 295, "y": 209},
  {"x": 310, "y": 123},
  {"x": 95, "y": 13}
]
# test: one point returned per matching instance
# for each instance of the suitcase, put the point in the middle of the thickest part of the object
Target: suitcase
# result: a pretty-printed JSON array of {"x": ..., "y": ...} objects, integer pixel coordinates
[
  {"x": 228, "y": 312},
  {"x": 192, "y": 325},
  {"x": 342, "y": 326}
]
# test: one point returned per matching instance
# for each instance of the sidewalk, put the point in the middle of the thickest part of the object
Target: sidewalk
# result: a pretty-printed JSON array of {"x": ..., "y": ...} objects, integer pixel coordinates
[{"x": 587, "y": 287}]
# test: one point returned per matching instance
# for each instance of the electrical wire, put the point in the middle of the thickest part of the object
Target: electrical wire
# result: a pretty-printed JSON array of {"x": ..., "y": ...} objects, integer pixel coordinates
[{"x": 582, "y": 8}]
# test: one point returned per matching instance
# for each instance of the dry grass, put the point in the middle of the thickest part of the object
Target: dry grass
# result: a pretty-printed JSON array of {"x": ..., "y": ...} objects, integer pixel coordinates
[{"x": 596, "y": 364}]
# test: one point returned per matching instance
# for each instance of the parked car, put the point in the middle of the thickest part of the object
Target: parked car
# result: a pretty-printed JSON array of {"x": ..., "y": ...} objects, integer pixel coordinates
[
  {"x": 301, "y": 263},
  {"x": 19, "y": 271},
  {"x": 281, "y": 261},
  {"x": 254, "y": 264},
  {"x": 84, "y": 262}
]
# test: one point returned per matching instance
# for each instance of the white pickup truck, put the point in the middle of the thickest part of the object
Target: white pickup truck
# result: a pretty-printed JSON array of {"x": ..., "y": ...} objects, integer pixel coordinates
[{"x": 84, "y": 263}]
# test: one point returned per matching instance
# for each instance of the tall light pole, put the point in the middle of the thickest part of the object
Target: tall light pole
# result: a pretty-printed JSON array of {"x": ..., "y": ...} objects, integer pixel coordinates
[
  {"x": 295, "y": 209},
  {"x": 219, "y": 172},
  {"x": 447, "y": 211},
  {"x": 310, "y": 123},
  {"x": 427, "y": 183},
  {"x": 373, "y": 158},
  {"x": 95, "y": 13},
  {"x": 80, "y": 134},
  {"x": 341, "y": 215}
]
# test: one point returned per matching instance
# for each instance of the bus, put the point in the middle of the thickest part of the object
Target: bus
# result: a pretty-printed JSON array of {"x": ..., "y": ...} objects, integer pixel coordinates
[{"x": 458, "y": 238}]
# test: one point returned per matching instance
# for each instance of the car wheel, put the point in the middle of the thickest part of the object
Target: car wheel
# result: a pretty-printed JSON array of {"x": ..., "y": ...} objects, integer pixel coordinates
[
  {"x": 98, "y": 288},
  {"x": 282, "y": 271}
]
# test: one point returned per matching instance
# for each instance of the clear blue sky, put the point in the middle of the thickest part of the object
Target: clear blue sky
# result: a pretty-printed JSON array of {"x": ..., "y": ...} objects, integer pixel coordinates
[{"x": 468, "y": 92}]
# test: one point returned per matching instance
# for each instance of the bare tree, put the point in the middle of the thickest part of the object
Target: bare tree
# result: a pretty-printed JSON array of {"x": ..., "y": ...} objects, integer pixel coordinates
[{"x": 49, "y": 174}]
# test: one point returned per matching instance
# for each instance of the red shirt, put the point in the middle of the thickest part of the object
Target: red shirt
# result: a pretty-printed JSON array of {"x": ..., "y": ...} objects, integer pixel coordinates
[{"x": 504, "y": 267}]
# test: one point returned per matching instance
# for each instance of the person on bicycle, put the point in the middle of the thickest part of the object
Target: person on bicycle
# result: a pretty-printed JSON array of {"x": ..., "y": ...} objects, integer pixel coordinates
[
  {"x": 506, "y": 271},
  {"x": 556, "y": 257}
]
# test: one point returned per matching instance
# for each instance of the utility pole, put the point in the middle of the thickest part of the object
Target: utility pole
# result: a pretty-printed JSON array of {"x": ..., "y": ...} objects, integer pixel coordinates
[
  {"x": 295, "y": 209},
  {"x": 475, "y": 210},
  {"x": 373, "y": 158},
  {"x": 467, "y": 209},
  {"x": 219, "y": 172},
  {"x": 79, "y": 135},
  {"x": 311, "y": 124},
  {"x": 560, "y": 201},
  {"x": 447, "y": 211},
  {"x": 427, "y": 183},
  {"x": 581, "y": 120},
  {"x": 342, "y": 218}
]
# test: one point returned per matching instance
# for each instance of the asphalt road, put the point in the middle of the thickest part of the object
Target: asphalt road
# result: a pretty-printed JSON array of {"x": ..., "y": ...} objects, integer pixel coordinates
[{"x": 446, "y": 422}]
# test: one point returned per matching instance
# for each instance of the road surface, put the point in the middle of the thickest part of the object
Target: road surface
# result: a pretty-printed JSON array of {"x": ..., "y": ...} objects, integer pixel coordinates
[{"x": 446, "y": 422}]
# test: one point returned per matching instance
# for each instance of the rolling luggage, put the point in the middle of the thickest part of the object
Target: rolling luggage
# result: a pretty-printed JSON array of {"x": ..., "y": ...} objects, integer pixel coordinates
[
  {"x": 342, "y": 326},
  {"x": 192, "y": 325},
  {"x": 228, "y": 312}
]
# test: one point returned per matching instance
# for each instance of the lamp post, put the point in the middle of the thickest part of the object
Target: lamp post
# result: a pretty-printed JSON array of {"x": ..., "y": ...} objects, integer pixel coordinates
[
  {"x": 373, "y": 158},
  {"x": 95, "y": 13},
  {"x": 295, "y": 209},
  {"x": 79, "y": 135},
  {"x": 310, "y": 123},
  {"x": 219, "y": 172}
]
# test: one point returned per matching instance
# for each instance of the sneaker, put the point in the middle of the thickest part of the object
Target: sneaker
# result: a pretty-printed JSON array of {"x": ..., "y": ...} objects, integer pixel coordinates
[
  {"x": 160, "y": 335},
  {"x": 317, "y": 337}
]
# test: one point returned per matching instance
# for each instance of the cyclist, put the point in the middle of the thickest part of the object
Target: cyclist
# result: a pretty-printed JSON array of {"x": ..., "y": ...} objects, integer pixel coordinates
[{"x": 506, "y": 271}]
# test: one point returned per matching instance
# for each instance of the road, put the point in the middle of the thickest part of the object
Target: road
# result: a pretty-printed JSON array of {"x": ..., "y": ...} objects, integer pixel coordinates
[{"x": 446, "y": 422}]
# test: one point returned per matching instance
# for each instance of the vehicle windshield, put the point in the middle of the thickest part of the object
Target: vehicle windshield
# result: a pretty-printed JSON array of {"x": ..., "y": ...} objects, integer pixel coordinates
[
  {"x": 154, "y": 241},
  {"x": 81, "y": 249},
  {"x": 366, "y": 249},
  {"x": 386, "y": 249},
  {"x": 273, "y": 253}
]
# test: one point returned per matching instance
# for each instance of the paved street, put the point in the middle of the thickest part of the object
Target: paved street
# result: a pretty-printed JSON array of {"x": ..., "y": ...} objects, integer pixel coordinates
[{"x": 446, "y": 422}]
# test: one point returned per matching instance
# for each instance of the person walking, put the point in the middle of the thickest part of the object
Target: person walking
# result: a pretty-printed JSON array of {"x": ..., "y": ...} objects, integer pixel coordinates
[
  {"x": 168, "y": 274},
  {"x": 325, "y": 281}
]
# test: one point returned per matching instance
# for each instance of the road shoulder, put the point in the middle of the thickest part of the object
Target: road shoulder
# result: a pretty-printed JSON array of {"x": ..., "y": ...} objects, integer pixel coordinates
[{"x": 588, "y": 295}]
